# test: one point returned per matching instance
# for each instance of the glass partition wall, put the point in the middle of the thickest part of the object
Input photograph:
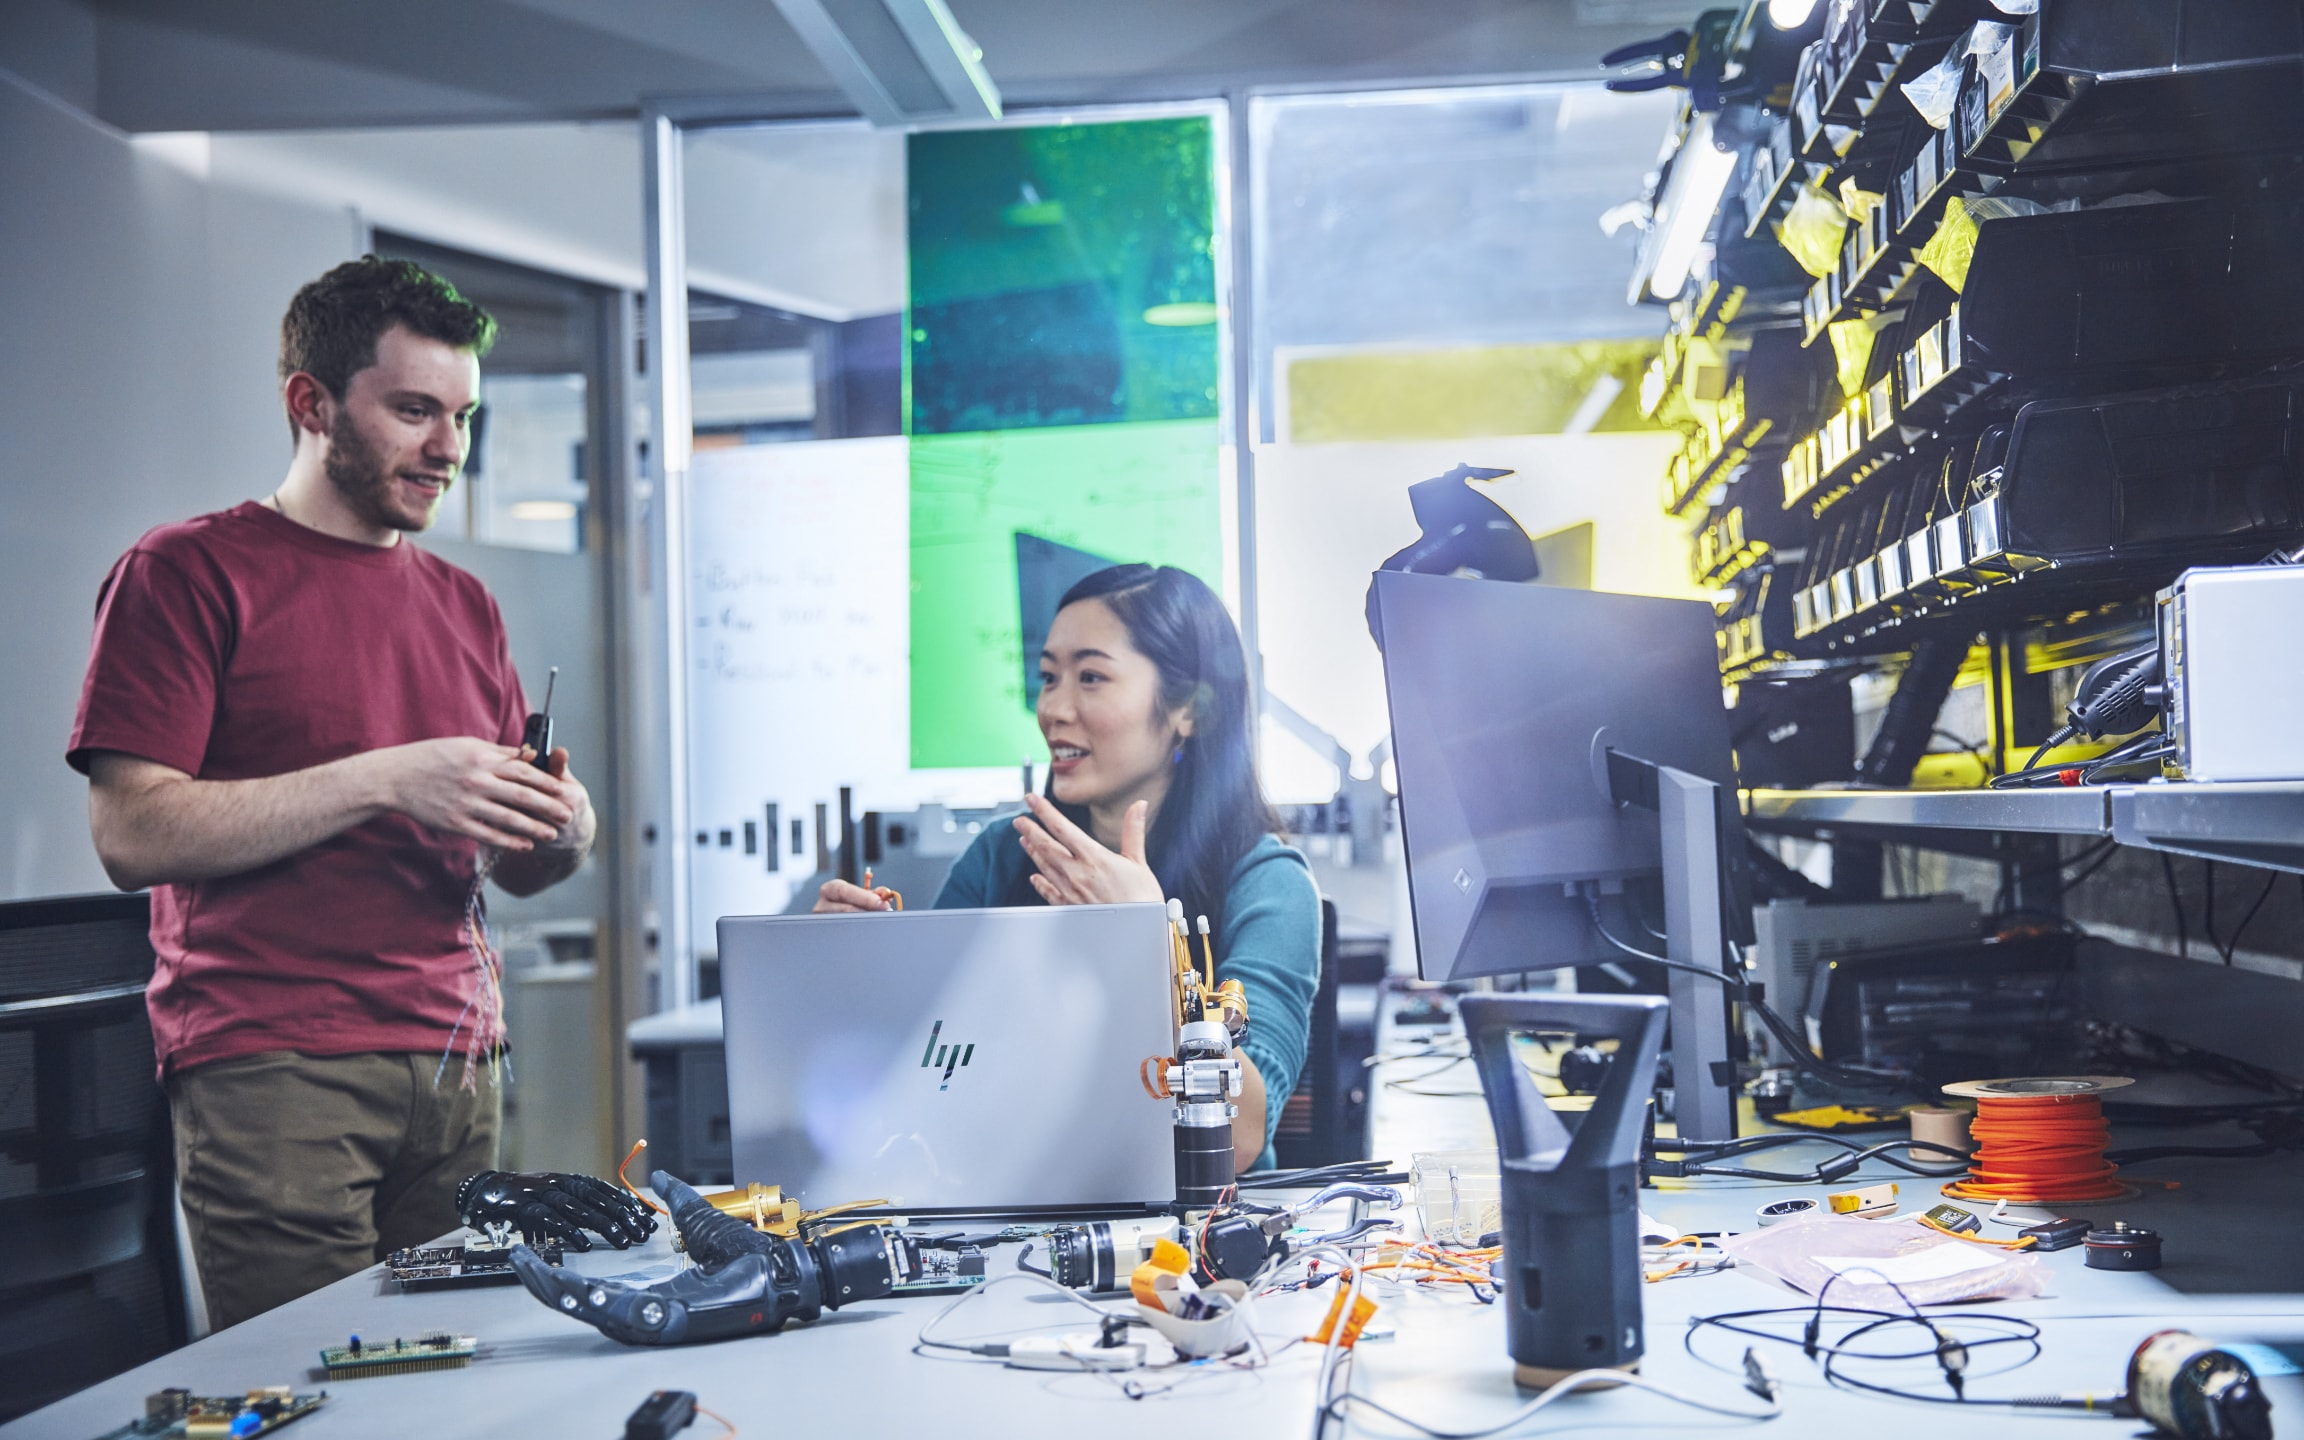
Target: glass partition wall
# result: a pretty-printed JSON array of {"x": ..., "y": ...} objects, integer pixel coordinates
[
  {"x": 923, "y": 380},
  {"x": 931, "y": 378}
]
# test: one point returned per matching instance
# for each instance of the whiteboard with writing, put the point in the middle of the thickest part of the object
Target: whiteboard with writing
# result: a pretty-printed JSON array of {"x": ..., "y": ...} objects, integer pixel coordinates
[{"x": 798, "y": 610}]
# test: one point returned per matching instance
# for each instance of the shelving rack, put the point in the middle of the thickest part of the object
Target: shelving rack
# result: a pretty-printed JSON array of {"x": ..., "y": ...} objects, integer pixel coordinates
[
  {"x": 1926, "y": 496},
  {"x": 2057, "y": 358}
]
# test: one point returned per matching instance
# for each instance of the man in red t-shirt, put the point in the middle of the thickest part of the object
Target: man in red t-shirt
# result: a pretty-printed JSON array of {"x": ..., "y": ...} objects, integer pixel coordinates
[{"x": 303, "y": 732}]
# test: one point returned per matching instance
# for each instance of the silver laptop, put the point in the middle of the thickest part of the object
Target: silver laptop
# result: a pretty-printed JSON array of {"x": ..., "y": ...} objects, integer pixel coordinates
[{"x": 951, "y": 1060}]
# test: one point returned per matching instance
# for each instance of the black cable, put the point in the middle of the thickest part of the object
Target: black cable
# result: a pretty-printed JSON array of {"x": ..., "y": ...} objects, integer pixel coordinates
[
  {"x": 2128, "y": 752},
  {"x": 2176, "y": 903},
  {"x": 1366, "y": 1172},
  {"x": 1974, "y": 748},
  {"x": 2101, "y": 857},
  {"x": 2062, "y": 734},
  {"x": 2208, "y": 908},
  {"x": 2133, "y": 753},
  {"x": 1740, "y": 990},
  {"x": 1750, "y": 1144},
  {"x": 2232, "y": 947},
  {"x": 1950, "y": 1352}
]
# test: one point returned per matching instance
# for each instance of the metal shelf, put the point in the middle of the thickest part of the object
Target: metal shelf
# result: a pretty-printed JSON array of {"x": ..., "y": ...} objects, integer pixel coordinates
[{"x": 2258, "y": 824}]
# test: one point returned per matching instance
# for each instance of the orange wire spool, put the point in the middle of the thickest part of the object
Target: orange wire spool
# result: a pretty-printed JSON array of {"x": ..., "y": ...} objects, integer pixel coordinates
[{"x": 2039, "y": 1141}]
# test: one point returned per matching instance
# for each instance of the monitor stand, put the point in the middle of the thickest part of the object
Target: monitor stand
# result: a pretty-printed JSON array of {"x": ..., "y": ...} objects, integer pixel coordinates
[{"x": 1688, "y": 816}]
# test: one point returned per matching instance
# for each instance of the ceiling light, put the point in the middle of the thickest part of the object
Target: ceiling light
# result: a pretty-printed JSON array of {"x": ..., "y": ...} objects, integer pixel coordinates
[
  {"x": 1790, "y": 14},
  {"x": 1182, "y": 313},
  {"x": 1699, "y": 175},
  {"x": 543, "y": 509}
]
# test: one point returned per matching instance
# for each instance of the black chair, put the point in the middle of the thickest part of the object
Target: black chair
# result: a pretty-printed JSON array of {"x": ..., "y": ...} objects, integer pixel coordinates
[
  {"x": 1311, "y": 1129},
  {"x": 90, "y": 1283}
]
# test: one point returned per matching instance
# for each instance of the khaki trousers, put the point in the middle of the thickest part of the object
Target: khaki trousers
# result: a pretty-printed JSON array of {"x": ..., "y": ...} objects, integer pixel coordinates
[{"x": 298, "y": 1170}]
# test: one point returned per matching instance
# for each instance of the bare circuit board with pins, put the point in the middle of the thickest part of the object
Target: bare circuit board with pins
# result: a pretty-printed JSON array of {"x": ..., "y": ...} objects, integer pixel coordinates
[
  {"x": 441, "y": 1351},
  {"x": 218, "y": 1417},
  {"x": 458, "y": 1267}
]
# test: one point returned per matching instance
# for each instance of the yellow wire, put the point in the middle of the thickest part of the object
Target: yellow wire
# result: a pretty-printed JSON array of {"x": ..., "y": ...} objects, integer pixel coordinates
[{"x": 2022, "y": 1242}]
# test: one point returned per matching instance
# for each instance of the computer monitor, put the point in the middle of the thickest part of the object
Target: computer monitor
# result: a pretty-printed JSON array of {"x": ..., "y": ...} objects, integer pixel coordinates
[{"x": 1504, "y": 700}]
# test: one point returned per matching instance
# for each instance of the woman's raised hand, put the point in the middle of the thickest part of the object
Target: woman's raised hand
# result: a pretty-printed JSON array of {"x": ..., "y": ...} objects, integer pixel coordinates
[
  {"x": 840, "y": 897},
  {"x": 1074, "y": 869}
]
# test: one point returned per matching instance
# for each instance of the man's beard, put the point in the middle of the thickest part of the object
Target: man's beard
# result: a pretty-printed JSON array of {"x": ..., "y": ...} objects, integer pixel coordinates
[{"x": 362, "y": 478}]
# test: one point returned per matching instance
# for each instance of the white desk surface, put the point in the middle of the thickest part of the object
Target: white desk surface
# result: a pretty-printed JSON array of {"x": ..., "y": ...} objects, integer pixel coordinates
[{"x": 855, "y": 1373}]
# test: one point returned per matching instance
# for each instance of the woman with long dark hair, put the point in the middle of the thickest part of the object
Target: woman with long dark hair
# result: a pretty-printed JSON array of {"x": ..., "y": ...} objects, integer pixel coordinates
[{"x": 1152, "y": 793}]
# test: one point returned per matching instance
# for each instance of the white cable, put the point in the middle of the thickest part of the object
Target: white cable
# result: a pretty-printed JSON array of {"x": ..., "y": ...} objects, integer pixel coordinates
[
  {"x": 992, "y": 1349},
  {"x": 1581, "y": 1380},
  {"x": 1336, "y": 1355}
]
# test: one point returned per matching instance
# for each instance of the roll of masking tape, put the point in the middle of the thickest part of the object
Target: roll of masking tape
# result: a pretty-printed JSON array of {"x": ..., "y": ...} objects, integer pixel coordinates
[
  {"x": 1779, "y": 1211},
  {"x": 1944, "y": 1126}
]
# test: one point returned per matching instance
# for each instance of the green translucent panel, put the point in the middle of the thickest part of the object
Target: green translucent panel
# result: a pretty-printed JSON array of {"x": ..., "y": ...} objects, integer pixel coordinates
[
  {"x": 1061, "y": 275},
  {"x": 1147, "y": 492}
]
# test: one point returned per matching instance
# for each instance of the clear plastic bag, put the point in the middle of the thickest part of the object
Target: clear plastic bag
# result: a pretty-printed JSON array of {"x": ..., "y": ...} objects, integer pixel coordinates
[
  {"x": 1885, "y": 1264},
  {"x": 1936, "y": 90}
]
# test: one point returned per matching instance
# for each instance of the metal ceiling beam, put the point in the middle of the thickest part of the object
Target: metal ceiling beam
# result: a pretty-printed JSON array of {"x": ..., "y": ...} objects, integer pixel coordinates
[{"x": 900, "y": 61}]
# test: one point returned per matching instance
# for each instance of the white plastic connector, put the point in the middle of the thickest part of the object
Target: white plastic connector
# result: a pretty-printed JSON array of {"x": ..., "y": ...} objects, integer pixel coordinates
[{"x": 1078, "y": 1350}]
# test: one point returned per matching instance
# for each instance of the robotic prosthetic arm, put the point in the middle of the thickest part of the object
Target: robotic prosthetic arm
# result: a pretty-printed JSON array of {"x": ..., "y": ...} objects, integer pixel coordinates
[{"x": 744, "y": 1280}]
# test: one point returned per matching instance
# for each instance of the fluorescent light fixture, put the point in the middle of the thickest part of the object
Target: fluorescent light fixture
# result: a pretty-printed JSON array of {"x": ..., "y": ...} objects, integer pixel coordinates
[
  {"x": 1182, "y": 313},
  {"x": 1699, "y": 176},
  {"x": 900, "y": 61},
  {"x": 543, "y": 509},
  {"x": 1790, "y": 14}
]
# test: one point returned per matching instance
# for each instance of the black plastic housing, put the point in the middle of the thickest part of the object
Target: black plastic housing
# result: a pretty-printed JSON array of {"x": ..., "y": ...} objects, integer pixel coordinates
[{"x": 1571, "y": 1210}]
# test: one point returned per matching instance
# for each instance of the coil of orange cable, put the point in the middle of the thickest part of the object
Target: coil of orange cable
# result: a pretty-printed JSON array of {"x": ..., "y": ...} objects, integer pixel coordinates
[{"x": 2039, "y": 1141}]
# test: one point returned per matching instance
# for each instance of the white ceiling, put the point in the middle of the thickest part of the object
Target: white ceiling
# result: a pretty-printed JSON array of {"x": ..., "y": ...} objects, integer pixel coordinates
[{"x": 172, "y": 65}]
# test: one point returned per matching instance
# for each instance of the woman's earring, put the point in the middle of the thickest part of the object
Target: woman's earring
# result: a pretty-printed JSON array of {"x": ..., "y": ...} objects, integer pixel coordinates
[{"x": 1178, "y": 757}]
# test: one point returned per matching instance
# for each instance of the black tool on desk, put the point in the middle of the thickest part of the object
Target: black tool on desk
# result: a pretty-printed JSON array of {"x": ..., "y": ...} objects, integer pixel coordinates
[
  {"x": 1241, "y": 1239},
  {"x": 662, "y": 1415},
  {"x": 536, "y": 737},
  {"x": 2059, "y": 1234},
  {"x": 2122, "y": 1246},
  {"x": 1571, "y": 1210}
]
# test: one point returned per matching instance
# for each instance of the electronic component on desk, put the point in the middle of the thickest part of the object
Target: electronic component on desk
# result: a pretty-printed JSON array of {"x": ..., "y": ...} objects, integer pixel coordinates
[
  {"x": 1776, "y": 1212},
  {"x": 2059, "y": 1234},
  {"x": 1798, "y": 941},
  {"x": 457, "y": 1267},
  {"x": 661, "y": 1416},
  {"x": 1946, "y": 1013},
  {"x": 2122, "y": 1246},
  {"x": 1867, "y": 1203},
  {"x": 2231, "y": 707},
  {"x": 947, "y": 1271},
  {"x": 1955, "y": 1219},
  {"x": 1582, "y": 1069},
  {"x": 2197, "y": 1390},
  {"x": 219, "y": 1417},
  {"x": 1422, "y": 1010},
  {"x": 398, "y": 1357},
  {"x": 1102, "y": 1254}
]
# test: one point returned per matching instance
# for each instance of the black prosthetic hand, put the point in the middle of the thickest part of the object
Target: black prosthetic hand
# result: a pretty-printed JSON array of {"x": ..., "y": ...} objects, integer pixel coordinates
[
  {"x": 744, "y": 1281},
  {"x": 554, "y": 1208}
]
